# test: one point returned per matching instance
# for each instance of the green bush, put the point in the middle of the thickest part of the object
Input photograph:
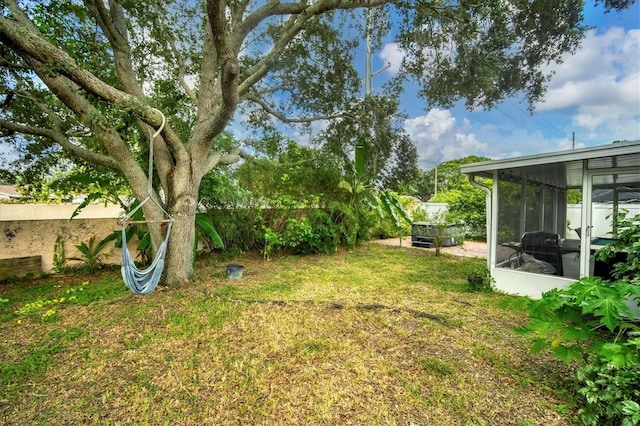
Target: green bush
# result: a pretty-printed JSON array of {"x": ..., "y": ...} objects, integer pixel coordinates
[
  {"x": 591, "y": 322},
  {"x": 325, "y": 237},
  {"x": 240, "y": 229},
  {"x": 348, "y": 225},
  {"x": 310, "y": 235},
  {"x": 626, "y": 243},
  {"x": 611, "y": 384},
  {"x": 480, "y": 280}
]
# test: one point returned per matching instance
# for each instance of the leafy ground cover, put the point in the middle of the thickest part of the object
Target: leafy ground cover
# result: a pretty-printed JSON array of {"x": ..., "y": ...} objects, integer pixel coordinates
[{"x": 375, "y": 336}]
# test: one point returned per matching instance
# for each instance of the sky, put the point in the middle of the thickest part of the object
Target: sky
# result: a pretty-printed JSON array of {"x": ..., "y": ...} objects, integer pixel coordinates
[{"x": 592, "y": 99}]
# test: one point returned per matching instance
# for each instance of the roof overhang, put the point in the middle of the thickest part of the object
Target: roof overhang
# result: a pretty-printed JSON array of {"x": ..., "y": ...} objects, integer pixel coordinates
[
  {"x": 563, "y": 169},
  {"x": 486, "y": 168}
]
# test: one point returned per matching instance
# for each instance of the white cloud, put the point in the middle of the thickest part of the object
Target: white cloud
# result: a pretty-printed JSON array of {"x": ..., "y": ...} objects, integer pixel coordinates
[
  {"x": 601, "y": 83},
  {"x": 439, "y": 138},
  {"x": 393, "y": 55},
  {"x": 594, "y": 93},
  {"x": 603, "y": 66}
]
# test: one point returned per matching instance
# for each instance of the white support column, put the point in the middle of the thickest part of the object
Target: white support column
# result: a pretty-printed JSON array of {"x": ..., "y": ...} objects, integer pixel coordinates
[{"x": 585, "y": 221}]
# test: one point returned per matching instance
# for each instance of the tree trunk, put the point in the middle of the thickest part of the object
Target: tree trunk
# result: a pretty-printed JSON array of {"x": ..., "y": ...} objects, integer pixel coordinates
[
  {"x": 182, "y": 202},
  {"x": 179, "y": 261}
]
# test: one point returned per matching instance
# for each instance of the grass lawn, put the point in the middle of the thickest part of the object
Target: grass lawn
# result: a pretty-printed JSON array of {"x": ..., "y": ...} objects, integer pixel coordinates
[{"x": 377, "y": 336}]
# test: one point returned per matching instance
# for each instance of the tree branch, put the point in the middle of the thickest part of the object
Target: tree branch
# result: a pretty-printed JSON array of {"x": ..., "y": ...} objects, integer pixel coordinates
[
  {"x": 216, "y": 159},
  {"x": 182, "y": 71},
  {"x": 24, "y": 38},
  {"x": 62, "y": 140},
  {"x": 214, "y": 114},
  {"x": 229, "y": 67},
  {"x": 114, "y": 26},
  {"x": 71, "y": 95},
  {"x": 264, "y": 105},
  {"x": 300, "y": 13},
  {"x": 208, "y": 72},
  {"x": 113, "y": 23}
]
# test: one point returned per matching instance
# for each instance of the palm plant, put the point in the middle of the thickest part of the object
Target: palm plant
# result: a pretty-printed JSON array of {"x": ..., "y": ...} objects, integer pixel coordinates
[
  {"x": 90, "y": 252},
  {"x": 363, "y": 193}
]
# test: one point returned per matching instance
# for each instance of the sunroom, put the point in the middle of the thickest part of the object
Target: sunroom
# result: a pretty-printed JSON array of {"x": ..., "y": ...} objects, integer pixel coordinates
[{"x": 548, "y": 214}]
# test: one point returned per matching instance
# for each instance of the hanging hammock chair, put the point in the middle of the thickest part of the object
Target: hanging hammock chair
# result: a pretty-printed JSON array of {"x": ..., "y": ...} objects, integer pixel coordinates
[{"x": 144, "y": 281}]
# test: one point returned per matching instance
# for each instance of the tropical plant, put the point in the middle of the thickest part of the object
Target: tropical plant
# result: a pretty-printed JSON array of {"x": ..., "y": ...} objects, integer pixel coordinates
[
  {"x": 59, "y": 256},
  {"x": 362, "y": 194},
  {"x": 597, "y": 322},
  {"x": 312, "y": 234},
  {"x": 611, "y": 384},
  {"x": 90, "y": 252},
  {"x": 206, "y": 231},
  {"x": 592, "y": 322},
  {"x": 625, "y": 244},
  {"x": 393, "y": 156}
]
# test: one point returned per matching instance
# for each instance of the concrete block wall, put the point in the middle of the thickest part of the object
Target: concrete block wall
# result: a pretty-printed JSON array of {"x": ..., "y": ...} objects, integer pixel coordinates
[{"x": 32, "y": 230}]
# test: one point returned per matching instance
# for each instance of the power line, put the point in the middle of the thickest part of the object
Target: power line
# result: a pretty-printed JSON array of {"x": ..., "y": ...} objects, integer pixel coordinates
[
  {"x": 542, "y": 120},
  {"x": 512, "y": 118}
]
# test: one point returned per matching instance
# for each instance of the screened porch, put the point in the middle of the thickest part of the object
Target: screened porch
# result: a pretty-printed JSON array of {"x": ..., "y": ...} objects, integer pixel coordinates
[{"x": 548, "y": 214}]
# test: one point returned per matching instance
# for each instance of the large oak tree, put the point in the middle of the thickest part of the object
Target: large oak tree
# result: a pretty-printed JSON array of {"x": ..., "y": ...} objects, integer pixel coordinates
[{"x": 87, "y": 78}]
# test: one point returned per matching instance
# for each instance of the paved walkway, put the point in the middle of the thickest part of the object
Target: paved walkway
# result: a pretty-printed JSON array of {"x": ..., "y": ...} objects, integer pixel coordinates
[{"x": 468, "y": 249}]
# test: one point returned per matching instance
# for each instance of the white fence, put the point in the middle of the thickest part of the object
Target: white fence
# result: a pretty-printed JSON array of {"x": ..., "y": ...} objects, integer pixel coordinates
[{"x": 601, "y": 224}]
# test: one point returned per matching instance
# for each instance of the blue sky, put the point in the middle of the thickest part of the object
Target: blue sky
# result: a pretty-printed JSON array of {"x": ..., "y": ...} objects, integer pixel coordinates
[{"x": 595, "y": 93}]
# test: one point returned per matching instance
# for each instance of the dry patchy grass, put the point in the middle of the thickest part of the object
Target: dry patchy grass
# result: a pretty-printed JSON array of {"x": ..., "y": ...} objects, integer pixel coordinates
[{"x": 378, "y": 336}]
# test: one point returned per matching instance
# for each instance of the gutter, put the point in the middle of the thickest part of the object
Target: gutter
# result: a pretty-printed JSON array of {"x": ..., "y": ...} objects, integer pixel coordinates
[{"x": 488, "y": 203}]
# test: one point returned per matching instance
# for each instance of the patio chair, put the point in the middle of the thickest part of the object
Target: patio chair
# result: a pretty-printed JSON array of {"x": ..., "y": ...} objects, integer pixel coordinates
[{"x": 543, "y": 246}]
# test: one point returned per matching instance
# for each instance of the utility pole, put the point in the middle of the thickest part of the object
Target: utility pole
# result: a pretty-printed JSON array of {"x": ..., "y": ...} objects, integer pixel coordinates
[
  {"x": 367, "y": 55},
  {"x": 368, "y": 74},
  {"x": 435, "y": 182}
]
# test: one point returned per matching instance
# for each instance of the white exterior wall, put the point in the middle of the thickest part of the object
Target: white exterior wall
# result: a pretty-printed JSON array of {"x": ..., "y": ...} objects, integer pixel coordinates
[
  {"x": 57, "y": 211},
  {"x": 526, "y": 283}
]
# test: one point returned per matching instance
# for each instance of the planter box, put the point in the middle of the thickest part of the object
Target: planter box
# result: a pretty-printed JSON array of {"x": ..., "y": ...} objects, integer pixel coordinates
[{"x": 20, "y": 267}]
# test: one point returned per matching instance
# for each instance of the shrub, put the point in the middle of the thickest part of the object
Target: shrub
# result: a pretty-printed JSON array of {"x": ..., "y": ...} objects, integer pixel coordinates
[
  {"x": 90, "y": 253},
  {"x": 611, "y": 384},
  {"x": 239, "y": 228},
  {"x": 309, "y": 235},
  {"x": 626, "y": 244},
  {"x": 480, "y": 280},
  {"x": 59, "y": 256},
  {"x": 593, "y": 322},
  {"x": 325, "y": 237}
]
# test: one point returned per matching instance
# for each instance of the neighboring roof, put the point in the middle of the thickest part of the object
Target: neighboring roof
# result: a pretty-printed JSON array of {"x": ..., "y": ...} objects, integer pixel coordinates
[
  {"x": 9, "y": 191},
  {"x": 564, "y": 169}
]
